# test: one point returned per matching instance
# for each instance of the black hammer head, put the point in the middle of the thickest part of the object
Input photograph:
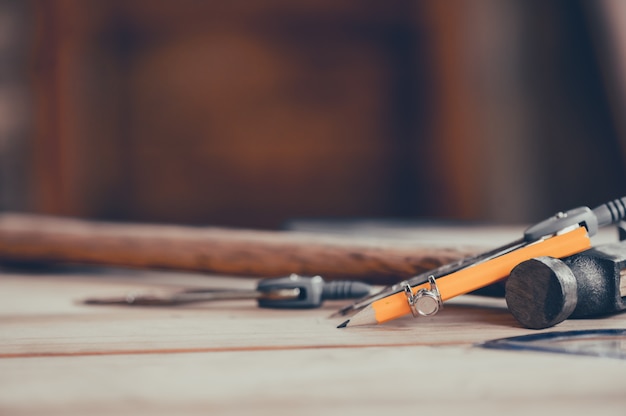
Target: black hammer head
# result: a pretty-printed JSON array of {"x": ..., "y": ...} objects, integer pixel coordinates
[{"x": 543, "y": 292}]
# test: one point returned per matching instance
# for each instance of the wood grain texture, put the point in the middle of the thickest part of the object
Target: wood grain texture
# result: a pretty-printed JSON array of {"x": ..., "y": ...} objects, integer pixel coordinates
[
  {"x": 60, "y": 357},
  {"x": 27, "y": 238}
]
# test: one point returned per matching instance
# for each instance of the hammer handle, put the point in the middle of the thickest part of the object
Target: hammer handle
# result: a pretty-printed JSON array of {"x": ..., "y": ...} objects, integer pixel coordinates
[{"x": 32, "y": 238}]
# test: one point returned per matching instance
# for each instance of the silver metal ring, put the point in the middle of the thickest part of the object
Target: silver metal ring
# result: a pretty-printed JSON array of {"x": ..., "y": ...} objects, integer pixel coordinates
[
  {"x": 410, "y": 297},
  {"x": 426, "y": 302}
]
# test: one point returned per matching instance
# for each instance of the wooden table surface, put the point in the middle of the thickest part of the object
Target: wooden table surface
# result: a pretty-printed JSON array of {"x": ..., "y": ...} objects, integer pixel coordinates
[{"x": 61, "y": 357}]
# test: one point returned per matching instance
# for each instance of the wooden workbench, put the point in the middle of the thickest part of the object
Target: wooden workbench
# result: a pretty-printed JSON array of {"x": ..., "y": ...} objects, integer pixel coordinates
[{"x": 61, "y": 357}]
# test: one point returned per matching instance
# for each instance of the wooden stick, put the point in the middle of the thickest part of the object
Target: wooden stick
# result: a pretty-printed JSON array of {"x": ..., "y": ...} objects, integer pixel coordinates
[{"x": 31, "y": 238}]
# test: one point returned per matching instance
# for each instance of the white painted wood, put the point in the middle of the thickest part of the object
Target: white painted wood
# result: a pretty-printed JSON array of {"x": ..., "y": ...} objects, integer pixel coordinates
[{"x": 60, "y": 357}]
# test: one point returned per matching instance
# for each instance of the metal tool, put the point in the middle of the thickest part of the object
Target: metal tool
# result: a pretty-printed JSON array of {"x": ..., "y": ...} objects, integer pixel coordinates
[
  {"x": 544, "y": 291},
  {"x": 291, "y": 292},
  {"x": 603, "y": 215},
  {"x": 607, "y": 343}
]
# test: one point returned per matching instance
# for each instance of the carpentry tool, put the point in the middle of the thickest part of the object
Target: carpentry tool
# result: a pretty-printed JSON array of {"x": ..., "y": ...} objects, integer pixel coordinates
[
  {"x": 291, "y": 292},
  {"x": 29, "y": 238},
  {"x": 545, "y": 291},
  {"x": 562, "y": 235}
]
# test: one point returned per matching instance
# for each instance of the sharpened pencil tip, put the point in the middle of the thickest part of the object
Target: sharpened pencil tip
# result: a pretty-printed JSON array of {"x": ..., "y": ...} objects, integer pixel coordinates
[{"x": 343, "y": 324}]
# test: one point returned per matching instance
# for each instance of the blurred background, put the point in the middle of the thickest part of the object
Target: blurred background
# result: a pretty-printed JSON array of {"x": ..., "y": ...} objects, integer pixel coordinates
[{"x": 250, "y": 114}]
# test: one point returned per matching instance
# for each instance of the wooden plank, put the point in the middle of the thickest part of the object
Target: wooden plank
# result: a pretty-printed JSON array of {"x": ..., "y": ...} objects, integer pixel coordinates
[
  {"x": 59, "y": 356},
  {"x": 346, "y": 381},
  {"x": 44, "y": 316}
]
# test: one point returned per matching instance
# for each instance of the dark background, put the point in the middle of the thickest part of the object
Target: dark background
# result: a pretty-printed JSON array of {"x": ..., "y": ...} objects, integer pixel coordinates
[{"x": 250, "y": 114}]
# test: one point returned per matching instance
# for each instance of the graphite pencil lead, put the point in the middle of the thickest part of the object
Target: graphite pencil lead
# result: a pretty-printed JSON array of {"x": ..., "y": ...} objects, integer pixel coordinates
[
  {"x": 366, "y": 316},
  {"x": 343, "y": 324}
]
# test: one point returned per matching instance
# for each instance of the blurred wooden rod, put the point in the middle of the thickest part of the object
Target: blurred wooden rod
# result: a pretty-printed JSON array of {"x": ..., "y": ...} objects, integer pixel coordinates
[{"x": 32, "y": 238}]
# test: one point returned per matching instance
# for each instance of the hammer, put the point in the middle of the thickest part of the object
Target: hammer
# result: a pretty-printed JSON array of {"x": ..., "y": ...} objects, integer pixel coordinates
[{"x": 544, "y": 291}]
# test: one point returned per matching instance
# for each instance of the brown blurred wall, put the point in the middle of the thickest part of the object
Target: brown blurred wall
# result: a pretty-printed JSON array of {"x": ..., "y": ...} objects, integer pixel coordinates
[
  {"x": 250, "y": 114},
  {"x": 218, "y": 112}
]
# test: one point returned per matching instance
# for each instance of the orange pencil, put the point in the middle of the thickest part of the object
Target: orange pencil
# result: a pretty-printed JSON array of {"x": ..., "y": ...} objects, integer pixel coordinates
[{"x": 469, "y": 279}]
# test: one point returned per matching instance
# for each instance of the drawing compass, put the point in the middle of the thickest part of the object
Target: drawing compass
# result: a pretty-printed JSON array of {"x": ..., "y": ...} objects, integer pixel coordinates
[{"x": 290, "y": 292}]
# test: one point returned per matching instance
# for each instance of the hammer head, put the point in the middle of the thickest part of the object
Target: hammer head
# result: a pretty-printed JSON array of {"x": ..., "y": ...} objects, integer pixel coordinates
[{"x": 543, "y": 292}]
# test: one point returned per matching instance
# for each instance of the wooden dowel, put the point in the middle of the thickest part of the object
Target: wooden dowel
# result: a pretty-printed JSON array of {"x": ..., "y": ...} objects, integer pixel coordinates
[{"x": 31, "y": 238}]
